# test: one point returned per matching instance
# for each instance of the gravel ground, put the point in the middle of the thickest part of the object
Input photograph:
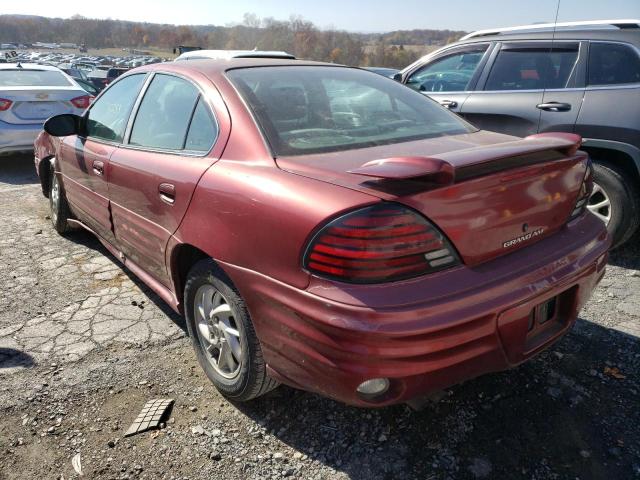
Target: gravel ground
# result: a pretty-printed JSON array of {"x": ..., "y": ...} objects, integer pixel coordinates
[{"x": 84, "y": 344}]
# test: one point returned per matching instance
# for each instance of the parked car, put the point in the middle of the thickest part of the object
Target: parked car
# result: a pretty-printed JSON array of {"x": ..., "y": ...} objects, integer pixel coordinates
[
  {"x": 98, "y": 78},
  {"x": 581, "y": 77},
  {"x": 200, "y": 54},
  {"x": 88, "y": 87},
  {"x": 75, "y": 73},
  {"x": 114, "y": 72},
  {"x": 29, "y": 94},
  {"x": 326, "y": 228}
]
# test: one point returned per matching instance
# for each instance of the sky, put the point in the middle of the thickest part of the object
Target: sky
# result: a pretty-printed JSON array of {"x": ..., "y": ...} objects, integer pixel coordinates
[{"x": 351, "y": 15}]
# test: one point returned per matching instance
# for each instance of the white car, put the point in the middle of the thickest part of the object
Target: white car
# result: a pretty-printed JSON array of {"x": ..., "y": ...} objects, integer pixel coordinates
[
  {"x": 229, "y": 54},
  {"x": 29, "y": 94}
]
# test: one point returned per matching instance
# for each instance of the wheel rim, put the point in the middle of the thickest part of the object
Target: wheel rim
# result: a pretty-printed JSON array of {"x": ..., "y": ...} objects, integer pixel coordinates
[
  {"x": 54, "y": 198},
  {"x": 600, "y": 204},
  {"x": 218, "y": 331}
]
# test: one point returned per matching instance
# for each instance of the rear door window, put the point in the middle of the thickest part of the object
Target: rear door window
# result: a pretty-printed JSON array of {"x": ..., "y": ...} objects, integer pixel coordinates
[
  {"x": 107, "y": 119},
  {"x": 203, "y": 131},
  {"x": 532, "y": 68},
  {"x": 613, "y": 64},
  {"x": 164, "y": 115}
]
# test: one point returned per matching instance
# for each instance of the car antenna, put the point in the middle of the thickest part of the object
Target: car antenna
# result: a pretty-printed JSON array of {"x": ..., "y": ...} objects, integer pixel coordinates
[{"x": 19, "y": 65}]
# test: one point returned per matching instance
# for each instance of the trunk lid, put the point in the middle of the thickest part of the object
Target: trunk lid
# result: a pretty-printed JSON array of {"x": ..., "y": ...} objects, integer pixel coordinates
[
  {"x": 36, "y": 104},
  {"x": 503, "y": 193}
]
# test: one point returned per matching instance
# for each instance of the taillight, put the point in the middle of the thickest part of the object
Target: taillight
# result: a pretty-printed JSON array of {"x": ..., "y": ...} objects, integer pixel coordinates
[
  {"x": 5, "y": 104},
  {"x": 585, "y": 192},
  {"x": 82, "y": 102},
  {"x": 381, "y": 243}
]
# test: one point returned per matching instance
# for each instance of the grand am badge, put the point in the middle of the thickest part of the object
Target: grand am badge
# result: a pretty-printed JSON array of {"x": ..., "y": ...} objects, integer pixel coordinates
[{"x": 523, "y": 238}]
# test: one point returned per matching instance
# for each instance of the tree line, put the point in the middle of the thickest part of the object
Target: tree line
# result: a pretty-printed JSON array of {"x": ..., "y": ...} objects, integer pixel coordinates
[{"x": 295, "y": 35}]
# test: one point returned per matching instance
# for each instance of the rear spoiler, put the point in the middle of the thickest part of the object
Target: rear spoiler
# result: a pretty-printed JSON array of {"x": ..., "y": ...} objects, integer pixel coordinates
[{"x": 443, "y": 168}]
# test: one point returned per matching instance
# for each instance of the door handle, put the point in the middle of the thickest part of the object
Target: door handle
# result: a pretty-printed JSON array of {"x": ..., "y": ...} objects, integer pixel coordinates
[
  {"x": 448, "y": 103},
  {"x": 554, "y": 107},
  {"x": 98, "y": 167},
  {"x": 167, "y": 193}
]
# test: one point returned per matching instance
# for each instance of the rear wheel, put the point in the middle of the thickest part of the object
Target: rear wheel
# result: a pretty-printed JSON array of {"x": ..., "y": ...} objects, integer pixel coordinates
[
  {"x": 615, "y": 201},
  {"x": 222, "y": 334},
  {"x": 59, "y": 207}
]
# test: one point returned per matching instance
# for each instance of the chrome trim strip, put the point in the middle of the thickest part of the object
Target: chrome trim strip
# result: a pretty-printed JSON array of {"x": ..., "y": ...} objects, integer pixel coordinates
[
  {"x": 614, "y": 87},
  {"x": 540, "y": 90}
]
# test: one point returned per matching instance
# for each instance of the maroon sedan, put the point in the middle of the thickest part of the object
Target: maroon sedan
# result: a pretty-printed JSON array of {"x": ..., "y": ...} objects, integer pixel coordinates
[{"x": 329, "y": 228}]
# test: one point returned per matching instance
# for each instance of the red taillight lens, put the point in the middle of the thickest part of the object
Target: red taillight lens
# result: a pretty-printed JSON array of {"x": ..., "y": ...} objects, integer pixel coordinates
[
  {"x": 382, "y": 243},
  {"x": 82, "y": 102},
  {"x": 586, "y": 189},
  {"x": 5, "y": 104}
]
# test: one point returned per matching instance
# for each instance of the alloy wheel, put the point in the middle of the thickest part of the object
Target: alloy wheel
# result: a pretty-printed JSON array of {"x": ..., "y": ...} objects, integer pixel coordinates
[
  {"x": 218, "y": 331},
  {"x": 54, "y": 198},
  {"x": 600, "y": 204}
]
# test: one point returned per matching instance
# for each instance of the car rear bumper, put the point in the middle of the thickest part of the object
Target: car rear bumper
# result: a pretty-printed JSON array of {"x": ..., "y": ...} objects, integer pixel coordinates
[
  {"x": 18, "y": 137},
  {"x": 470, "y": 321}
]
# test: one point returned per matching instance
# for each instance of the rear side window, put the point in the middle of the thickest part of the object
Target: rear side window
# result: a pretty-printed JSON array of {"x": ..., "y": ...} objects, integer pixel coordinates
[
  {"x": 613, "y": 64},
  {"x": 202, "y": 131},
  {"x": 33, "y": 78},
  {"x": 164, "y": 114},
  {"x": 109, "y": 114},
  {"x": 532, "y": 69},
  {"x": 449, "y": 74}
]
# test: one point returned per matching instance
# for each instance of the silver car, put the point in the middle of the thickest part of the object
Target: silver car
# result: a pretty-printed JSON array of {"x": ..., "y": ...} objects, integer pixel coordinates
[{"x": 29, "y": 94}]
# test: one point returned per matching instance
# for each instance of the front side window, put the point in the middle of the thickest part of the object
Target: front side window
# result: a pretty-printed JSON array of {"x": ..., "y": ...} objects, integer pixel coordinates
[
  {"x": 109, "y": 114},
  {"x": 613, "y": 64},
  {"x": 532, "y": 68},
  {"x": 306, "y": 109},
  {"x": 33, "y": 78},
  {"x": 164, "y": 114},
  {"x": 449, "y": 74}
]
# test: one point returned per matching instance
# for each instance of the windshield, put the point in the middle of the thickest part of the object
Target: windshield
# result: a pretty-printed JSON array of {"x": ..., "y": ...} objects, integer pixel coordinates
[
  {"x": 309, "y": 109},
  {"x": 33, "y": 78}
]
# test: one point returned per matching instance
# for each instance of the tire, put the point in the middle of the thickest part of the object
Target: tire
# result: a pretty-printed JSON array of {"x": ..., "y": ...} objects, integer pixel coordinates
[
  {"x": 60, "y": 212},
  {"x": 612, "y": 187},
  {"x": 238, "y": 370}
]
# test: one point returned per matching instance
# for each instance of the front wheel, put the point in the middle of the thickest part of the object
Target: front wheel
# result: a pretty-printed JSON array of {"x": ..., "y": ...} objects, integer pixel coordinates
[
  {"x": 58, "y": 205},
  {"x": 615, "y": 201},
  {"x": 222, "y": 334}
]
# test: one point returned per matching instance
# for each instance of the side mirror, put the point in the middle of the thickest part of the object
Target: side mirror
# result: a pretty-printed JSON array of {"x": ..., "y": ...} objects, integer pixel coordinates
[
  {"x": 398, "y": 77},
  {"x": 62, "y": 125}
]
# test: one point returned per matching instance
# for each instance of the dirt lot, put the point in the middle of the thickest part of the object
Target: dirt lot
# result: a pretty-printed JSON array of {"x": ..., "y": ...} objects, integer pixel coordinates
[{"x": 83, "y": 345}]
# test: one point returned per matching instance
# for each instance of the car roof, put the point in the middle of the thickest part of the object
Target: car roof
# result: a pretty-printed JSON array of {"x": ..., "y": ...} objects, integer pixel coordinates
[
  {"x": 626, "y": 30},
  {"x": 616, "y": 24},
  {"x": 576, "y": 31},
  {"x": 214, "y": 67}
]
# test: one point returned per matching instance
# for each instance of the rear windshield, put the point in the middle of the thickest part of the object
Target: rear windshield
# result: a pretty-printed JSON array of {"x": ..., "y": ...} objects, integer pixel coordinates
[
  {"x": 33, "y": 78},
  {"x": 308, "y": 109}
]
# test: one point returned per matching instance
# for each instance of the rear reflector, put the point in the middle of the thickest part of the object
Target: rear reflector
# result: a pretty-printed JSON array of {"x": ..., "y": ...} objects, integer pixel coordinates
[
  {"x": 82, "y": 102},
  {"x": 5, "y": 104},
  {"x": 382, "y": 243}
]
